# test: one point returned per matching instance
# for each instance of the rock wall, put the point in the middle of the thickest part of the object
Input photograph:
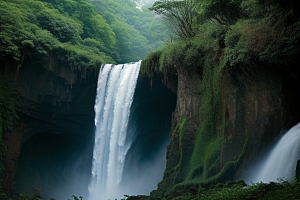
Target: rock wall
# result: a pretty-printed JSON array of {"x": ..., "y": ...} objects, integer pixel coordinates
[
  {"x": 187, "y": 108},
  {"x": 54, "y": 101},
  {"x": 50, "y": 98},
  {"x": 259, "y": 107},
  {"x": 256, "y": 107}
]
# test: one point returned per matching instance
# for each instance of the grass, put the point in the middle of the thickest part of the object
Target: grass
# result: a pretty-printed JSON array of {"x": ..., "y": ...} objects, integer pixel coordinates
[{"x": 238, "y": 190}]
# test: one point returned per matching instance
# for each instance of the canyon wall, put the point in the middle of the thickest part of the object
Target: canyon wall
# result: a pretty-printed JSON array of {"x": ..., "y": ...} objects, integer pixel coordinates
[
  {"x": 247, "y": 111},
  {"x": 260, "y": 105},
  {"x": 55, "y": 103},
  {"x": 226, "y": 118}
]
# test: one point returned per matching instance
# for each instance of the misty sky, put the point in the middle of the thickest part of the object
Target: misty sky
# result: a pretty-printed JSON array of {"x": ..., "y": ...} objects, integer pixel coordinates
[{"x": 141, "y": 3}]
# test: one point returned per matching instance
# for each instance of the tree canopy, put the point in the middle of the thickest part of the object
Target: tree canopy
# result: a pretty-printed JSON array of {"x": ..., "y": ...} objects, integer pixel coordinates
[
  {"x": 113, "y": 31},
  {"x": 35, "y": 28},
  {"x": 179, "y": 15},
  {"x": 138, "y": 32},
  {"x": 246, "y": 30}
]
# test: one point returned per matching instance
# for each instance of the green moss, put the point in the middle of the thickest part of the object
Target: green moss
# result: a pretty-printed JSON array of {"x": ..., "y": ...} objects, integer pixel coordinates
[
  {"x": 227, "y": 171},
  {"x": 150, "y": 65},
  {"x": 175, "y": 130},
  {"x": 205, "y": 160},
  {"x": 181, "y": 126}
]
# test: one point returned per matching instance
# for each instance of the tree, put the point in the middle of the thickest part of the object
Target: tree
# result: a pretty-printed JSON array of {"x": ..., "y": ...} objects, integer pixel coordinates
[
  {"x": 131, "y": 44},
  {"x": 179, "y": 15},
  {"x": 224, "y": 12},
  {"x": 64, "y": 28}
]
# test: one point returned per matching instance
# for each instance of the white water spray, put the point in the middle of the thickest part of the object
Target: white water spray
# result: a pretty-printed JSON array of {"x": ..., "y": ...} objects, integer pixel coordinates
[
  {"x": 115, "y": 90},
  {"x": 282, "y": 161}
]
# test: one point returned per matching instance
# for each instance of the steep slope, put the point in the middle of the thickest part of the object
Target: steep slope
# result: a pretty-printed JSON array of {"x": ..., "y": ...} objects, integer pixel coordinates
[
  {"x": 55, "y": 104},
  {"x": 237, "y": 86},
  {"x": 218, "y": 137}
]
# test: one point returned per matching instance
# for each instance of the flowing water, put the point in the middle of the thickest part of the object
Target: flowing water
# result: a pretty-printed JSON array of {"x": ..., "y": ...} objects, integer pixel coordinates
[
  {"x": 282, "y": 161},
  {"x": 116, "y": 87}
]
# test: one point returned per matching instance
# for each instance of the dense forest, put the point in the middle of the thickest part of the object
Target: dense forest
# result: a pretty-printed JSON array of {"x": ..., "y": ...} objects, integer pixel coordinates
[
  {"x": 199, "y": 36},
  {"x": 84, "y": 33}
]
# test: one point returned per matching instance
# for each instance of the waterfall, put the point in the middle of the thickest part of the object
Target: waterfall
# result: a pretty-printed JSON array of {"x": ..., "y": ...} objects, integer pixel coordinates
[
  {"x": 115, "y": 90},
  {"x": 282, "y": 161}
]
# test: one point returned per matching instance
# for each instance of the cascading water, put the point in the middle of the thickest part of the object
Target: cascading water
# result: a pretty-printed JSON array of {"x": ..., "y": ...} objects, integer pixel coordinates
[
  {"x": 282, "y": 161},
  {"x": 116, "y": 87}
]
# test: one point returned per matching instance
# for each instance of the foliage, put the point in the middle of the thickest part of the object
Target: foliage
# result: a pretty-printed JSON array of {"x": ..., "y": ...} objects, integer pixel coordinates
[
  {"x": 30, "y": 29},
  {"x": 138, "y": 197},
  {"x": 34, "y": 196},
  {"x": 18, "y": 34},
  {"x": 80, "y": 56},
  {"x": 252, "y": 30},
  {"x": 238, "y": 190},
  {"x": 179, "y": 15},
  {"x": 64, "y": 28},
  {"x": 131, "y": 45},
  {"x": 189, "y": 54},
  {"x": 37, "y": 196},
  {"x": 151, "y": 64},
  {"x": 33, "y": 28},
  {"x": 76, "y": 198},
  {"x": 268, "y": 34},
  {"x": 137, "y": 32},
  {"x": 224, "y": 12}
]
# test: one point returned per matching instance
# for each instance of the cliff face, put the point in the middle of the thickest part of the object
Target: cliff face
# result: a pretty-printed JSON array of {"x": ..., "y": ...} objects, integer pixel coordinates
[
  {"x": 249, "y": 111},
  {"x": 187, "y": 109},
  {"x": 259, "y": 105},
  {"x": 52, "y": 101},
  {"x": 224, "y": 120}
]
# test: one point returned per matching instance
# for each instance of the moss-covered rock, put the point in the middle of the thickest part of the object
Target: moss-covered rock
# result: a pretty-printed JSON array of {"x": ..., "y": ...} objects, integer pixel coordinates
[{"x": 236, "y": 93}]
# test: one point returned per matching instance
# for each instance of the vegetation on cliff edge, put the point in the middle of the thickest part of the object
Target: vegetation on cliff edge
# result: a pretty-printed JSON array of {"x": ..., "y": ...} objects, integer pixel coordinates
[{"x": 240, "y": 35}]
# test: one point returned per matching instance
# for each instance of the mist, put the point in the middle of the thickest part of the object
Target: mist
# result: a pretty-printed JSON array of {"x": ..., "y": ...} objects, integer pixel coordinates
[
  {"x": 55, "y": 165},
  {"x": 140, "y": 4}
]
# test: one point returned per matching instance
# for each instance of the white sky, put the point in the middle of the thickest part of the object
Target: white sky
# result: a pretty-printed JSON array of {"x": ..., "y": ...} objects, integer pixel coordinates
[{"x": 141, "y": 3}]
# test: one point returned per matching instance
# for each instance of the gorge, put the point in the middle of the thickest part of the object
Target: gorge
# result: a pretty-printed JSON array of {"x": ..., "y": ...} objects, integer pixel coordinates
[
  {"x": 57, "y": 160},
  {"x": 64, "y": 142}
]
